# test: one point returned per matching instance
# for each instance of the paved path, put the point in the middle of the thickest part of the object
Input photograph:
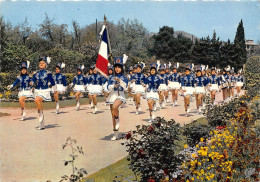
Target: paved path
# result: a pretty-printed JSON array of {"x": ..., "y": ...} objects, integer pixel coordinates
[{"x": 27, "y": 154}]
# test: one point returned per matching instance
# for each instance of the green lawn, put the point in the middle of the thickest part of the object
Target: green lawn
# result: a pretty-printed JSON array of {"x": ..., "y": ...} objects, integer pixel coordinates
[
  {"x": 121, "y": 167},
  {"x": 50, "y": 105}
]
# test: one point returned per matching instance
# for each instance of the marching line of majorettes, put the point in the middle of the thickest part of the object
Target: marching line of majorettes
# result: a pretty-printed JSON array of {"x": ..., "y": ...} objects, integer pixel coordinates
[{"x": 154, "y": 86}]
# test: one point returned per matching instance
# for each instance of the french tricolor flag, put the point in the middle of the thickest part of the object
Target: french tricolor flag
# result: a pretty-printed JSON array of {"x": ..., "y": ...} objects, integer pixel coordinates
[{"x": 104, "y": 51}]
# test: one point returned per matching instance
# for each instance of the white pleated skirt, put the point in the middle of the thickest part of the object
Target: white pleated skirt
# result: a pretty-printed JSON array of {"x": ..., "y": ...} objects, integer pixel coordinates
[
  {"x": 59, "y": 88},
  {"x": 95, "y": 89},
  {"x": 79, "y": 88},
  {"x": 189, "y": 91},
  {"x": 152, "y": 95},
  {"x": 163, "y": 87},
  {"x": 174, "y": 85},
  {"x": 113, "y": 96},
  {"x": 214, "y": 87},
  {"x": 25, "y": 93},
  {"x": 131, "y": 85},
  {"x": 104, "y": 87},
  {"x": 200, "y": 90},
  {"x": 138, "y": 89},
  {"x": 239, "y": 84},
  {"x": 43, "y": 93}
]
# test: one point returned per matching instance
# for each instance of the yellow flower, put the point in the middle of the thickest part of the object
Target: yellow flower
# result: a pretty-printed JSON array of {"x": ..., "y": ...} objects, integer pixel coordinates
[
  {"x": 201, "y": 139},
  {"x": 185, "y": 146}
]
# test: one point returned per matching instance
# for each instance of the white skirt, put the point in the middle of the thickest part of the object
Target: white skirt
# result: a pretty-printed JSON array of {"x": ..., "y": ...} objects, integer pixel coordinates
[
  {"x": 131, "y": 85},
  {"x": 25, "y": 93},
  {"x": 113, "y": 96},
  {"x": 43, "y": 93},
  {"x": 224, "y": 85},
  {"x": 152, "y": 95},
  {"x": 60, "y": 88},
  {"x": 213, "y": 87},
  {"x": 79, "y": 88},
  {"x": 200, "y": 90},
  {"x": 189, "y": 91},
  {"x": 174, "y": 85},
  {"x": 95, "y": 89},
  {"x": 138, "y": 89},
  {"x": 239, "y": 84},
  {"x": 163, "y": 87},
  {"x": 104, "y": 87},
  {"x": 88, "y": 87}
]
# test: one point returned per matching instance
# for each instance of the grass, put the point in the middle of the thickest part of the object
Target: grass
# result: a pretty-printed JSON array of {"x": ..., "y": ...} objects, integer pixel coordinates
[
  {"x": 50, "y": 105},
  {"x": 121, "y": 167}
]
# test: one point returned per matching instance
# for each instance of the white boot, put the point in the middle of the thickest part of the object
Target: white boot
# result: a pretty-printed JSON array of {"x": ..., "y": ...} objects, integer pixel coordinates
[
  {"x": 137, "y": 111},
  {"x": 153, "y": 115},
  {"x": 57, "y": 108},
  {"x": 173, "y": 104},
  {"x": 23, "y": 115},
  {"x": 115, "y": 137},
  {"x": 188, "y": 109},
  {"x": 41, "y": 121},
  {"x": 95, "y": 109},
  {"x": 78, "y": 106},
  {"x": 176, "y": 103},
  {"x": 117, "y": 123},
  {"x": 139, "y": 108},
  {"x": 151, "y": 119}
]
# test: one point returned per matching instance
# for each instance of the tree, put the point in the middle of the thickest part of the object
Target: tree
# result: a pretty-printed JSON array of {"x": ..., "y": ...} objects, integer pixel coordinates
[
  {"x": 25, "y": 30},
  {"x": 46, "y": 28}
]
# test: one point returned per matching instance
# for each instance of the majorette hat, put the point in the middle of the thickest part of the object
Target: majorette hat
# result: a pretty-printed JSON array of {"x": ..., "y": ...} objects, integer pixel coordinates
[
  {"x": 188, "y": 67},
  {"x": 110, "y": 67},
  {"x": 130, "y": 68},
  {"x": 154, "y": 65},
  {"x": 176, "y": 66},
  {"x": 25, "y": 65},
  {"x": 135, "y": 66},
  {"x": 162, "y": 67},
  {"x": 199, "y": 69},
  {"x": 118, "y": 61},
  {"x": 60, "y": 65},
  {"x": 141, "y": 65},
  {"x": 45, "y": 59},
  {"x": 213, "y": 68},
  {"x": 81, "y": 68},
  {"x": 92, "y": 67}
]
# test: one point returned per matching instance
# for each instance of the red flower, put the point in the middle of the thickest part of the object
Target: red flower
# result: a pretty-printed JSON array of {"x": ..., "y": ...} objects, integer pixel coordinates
[
  {"x": 150, "y": 129},
  {"x": 141, "y": 153},
  {"x": 166, "y": 171},
  {"x": 128, "y": 135},
  {"x": 151, "y": 180}
]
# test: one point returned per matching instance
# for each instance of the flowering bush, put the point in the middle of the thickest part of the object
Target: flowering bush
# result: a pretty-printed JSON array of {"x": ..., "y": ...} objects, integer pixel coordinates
[
  {"x": 152, "y": 150},
  {"x": 232, "y": 154}
]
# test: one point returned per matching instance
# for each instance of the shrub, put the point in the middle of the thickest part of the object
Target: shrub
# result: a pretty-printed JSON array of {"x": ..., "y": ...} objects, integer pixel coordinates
[
  {"x": 152, "y": 149},
  {"x": 252, "y": 74},
  {"x": 194, "y": 133}
]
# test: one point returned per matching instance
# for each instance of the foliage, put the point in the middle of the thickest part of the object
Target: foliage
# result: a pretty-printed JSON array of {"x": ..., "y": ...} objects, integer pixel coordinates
[
  {"x": 252, "y": 74},
  {"x": 77, "y": 174},
  {"x": 195, "y": 132},
  {"x": 232, "y": 154},
  {"x": 152, "y": 149}
]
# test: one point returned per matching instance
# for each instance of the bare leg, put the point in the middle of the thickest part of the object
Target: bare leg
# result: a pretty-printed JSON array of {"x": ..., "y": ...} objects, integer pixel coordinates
[
  {"x": 22, "y": 102},
  {"x": 38, "y": 102},
  {"x": 115, "y": 111}
]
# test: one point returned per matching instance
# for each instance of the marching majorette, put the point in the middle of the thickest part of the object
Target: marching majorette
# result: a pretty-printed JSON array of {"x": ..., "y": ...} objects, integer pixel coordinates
[
  {"x": 105, "y": 82},
  {"x": 95, "y": 80},
  {"x": 117, "y": 84},
  {"x": 25, "y": 90},
  {"x": 214, "y": 83},
  {"x": 187, "y": 86},
  {"x": 174, "y": 83},
  {"x": 61, "y": 84},
  {"x": 232, "y": 82},
  {"x": 131, "y": 85},
  {"x": 200, "y": 84},
  {"x": 79, "y": 83},
  {"x": 89, "y": 87},
  {"x": 239, "y": 81},
  {"x": 167, "y": 73},
  {"x": 163, "y": 88},
  {"x": 138, "y": 78},
  {"x": 206, "y": 80},
  {"x": 41, "y": 80},
  {"x": 225, "y": 84},
  {"x": 152, "y": 84}
]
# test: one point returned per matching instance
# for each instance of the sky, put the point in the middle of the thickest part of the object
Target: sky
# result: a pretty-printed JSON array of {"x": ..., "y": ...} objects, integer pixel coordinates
[{"x": 197, "y": 17}]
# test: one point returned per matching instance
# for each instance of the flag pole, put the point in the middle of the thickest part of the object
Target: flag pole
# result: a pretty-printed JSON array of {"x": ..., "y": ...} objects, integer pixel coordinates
[{"x": 110, "y": 52}]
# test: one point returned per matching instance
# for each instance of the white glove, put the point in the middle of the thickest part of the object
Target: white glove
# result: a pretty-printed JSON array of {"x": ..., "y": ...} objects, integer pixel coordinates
[{"x": 9, "y": 87}]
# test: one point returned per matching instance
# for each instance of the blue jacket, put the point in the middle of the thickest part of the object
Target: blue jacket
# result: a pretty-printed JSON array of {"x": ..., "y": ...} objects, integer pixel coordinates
[
  {"x": 79, "y": 80},
  {"x": 200, "y": 81},
  {"x": 187, "y": 81},
  {"x": 214, "y": 79},
  {"x": 24, "y": 81},
  {"x": 175, "y": 77},
  {"x": 239, "y": 78},
  {"x": 95, "y": 79},
  {"x": 153, "y": 83},
  {"x": 225, "y": 78},
  {"x": 41, "y": 78},
  {"x": 122, "y": 85},
  {"x": 139, "y": 78},
  {"x": 60, "y": 79},
  {"x": 163, "y": 79},
  {"x": 206, "y": 80},
  {"x": 232, "y": 79}
]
